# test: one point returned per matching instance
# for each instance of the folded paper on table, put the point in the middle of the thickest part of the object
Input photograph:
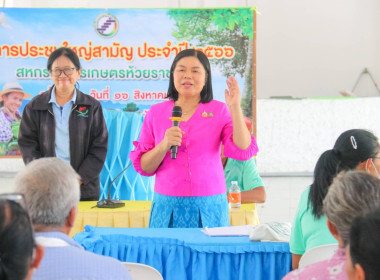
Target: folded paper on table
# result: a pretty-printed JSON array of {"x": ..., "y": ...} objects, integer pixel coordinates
[
  {"x": 273, "y": 231},
  {"x": 228, "y": 231}
]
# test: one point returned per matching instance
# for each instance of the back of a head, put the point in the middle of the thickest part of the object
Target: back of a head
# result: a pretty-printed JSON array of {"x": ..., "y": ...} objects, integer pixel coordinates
[
  {"x": 365, "y": 243},
  {"x": 351, "y": 194},
  {"x": 351, "y": 148},
  {"x": 51, "y": 190},
  {"x": 16, "y": 241}
]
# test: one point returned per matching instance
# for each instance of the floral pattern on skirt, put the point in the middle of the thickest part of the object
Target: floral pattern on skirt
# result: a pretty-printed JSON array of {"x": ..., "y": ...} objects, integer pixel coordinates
[{"x": 189, "y": 211}]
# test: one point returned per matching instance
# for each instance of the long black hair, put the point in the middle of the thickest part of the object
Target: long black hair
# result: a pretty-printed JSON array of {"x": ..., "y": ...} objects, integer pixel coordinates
[
  {"x": 351, "y": 148},
  {"x": 206, "y": 93},
  {"x": 16, "y": 241}
]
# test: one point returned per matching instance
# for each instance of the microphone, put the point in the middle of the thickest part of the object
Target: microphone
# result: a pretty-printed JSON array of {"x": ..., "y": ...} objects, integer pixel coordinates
[
  {"x": 176, "y": 119},
  {"x": 112, "y": 203}
]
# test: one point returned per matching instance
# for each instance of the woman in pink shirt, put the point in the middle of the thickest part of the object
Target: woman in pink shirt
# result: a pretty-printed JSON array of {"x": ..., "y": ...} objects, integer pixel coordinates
[{"x": 190, "y": 190}]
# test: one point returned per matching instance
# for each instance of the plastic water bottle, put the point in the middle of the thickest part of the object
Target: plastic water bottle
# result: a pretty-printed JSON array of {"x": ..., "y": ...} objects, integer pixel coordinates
[{"x": 234, "y": 196}]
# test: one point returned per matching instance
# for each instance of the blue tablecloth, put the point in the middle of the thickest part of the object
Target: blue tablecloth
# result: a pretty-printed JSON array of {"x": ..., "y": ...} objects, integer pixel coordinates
[{"x": 190, "y": 254}]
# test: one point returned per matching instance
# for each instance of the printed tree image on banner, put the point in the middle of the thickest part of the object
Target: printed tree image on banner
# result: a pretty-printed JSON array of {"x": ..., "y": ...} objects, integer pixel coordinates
[
  {"x": 125, "y": 55},
  {"x": 232, "y": 27}
]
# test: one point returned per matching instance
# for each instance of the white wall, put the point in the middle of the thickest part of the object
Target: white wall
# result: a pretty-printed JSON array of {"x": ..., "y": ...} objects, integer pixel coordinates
[
  {"x": 316, "y": 48},
  {"x": 293, "y": 133}
]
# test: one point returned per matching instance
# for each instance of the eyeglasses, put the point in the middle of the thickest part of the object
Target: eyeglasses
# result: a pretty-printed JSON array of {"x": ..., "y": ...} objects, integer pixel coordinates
[
  {"x": 66, "y": 71},
  {"x": 19, "y": 198},
  {"x": 16, "y": 197}
]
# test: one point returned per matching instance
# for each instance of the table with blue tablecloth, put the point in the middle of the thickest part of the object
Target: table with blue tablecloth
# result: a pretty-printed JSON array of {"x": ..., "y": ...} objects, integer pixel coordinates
[{"x": 189, "y": 253}]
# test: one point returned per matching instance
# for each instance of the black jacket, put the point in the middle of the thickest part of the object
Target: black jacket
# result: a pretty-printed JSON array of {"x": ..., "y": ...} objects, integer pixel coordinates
[{"x": 88, "y": 137}]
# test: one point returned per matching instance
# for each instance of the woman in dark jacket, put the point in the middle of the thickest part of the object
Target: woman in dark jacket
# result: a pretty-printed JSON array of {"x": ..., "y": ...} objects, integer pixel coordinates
[{"x": 64, "y": 122}]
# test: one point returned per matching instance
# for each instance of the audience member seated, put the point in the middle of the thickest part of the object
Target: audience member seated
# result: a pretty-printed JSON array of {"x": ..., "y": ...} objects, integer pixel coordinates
[
  {"x": 245, "y": 173},
  {"x": 51, "y": 190},
  {"x": 19, "y": 254},
  {"x": 355, "y": 149},
  {"x": 363, "y": 252},
  {"x": 350, "y": 195}
]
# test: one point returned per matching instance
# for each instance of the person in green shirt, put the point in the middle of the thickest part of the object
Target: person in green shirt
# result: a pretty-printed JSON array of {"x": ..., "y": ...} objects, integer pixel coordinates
[
  {"x": 245, "y": 173},
  {"x": 250, "y": 183},
  {"x": 355, "y": 149}
]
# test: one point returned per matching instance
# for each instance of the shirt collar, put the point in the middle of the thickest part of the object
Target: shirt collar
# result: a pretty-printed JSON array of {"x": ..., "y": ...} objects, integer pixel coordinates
[
  {"x": 60, "y": 235},
  {"x": 54, "y": 100}
]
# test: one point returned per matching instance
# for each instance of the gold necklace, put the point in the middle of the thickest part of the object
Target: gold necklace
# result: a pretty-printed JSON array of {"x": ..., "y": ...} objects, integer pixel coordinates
[{"x": 192, "y": 110}]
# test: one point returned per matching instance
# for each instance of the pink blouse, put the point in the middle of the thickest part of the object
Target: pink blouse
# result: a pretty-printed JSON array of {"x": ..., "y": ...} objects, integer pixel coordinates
[
  {"x": 197, "y": 170},
  {"x": 329, "y": 269}
]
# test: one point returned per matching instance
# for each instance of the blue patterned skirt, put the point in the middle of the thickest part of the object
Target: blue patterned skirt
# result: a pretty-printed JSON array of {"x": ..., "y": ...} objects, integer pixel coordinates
[{"x": 189, "y": 211}]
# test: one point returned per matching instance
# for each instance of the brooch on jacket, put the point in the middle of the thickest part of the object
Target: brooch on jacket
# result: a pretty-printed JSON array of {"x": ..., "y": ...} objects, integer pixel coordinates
[
  {"x": 205, "y": 115},
  {"x": 82, "y": 112}
]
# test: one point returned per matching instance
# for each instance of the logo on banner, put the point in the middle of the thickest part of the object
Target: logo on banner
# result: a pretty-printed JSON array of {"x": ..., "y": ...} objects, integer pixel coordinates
[{"x": 106, "y": 25}]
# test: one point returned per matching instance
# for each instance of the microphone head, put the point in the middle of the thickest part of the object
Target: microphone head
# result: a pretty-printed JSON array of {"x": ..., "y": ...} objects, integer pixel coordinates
[{"x": 177, "y": 111}]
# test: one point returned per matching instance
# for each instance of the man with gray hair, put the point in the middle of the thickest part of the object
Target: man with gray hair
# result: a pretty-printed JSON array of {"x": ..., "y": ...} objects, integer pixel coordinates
[{"x": 51, "y": 189}]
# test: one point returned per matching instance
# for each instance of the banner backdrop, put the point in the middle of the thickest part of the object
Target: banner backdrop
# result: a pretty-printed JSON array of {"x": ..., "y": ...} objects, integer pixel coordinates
[{"x": 125, "y": 53}]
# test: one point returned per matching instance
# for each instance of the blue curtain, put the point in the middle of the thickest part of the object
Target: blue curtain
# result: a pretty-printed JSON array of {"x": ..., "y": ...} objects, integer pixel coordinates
[{"x": 123, "y": 129}]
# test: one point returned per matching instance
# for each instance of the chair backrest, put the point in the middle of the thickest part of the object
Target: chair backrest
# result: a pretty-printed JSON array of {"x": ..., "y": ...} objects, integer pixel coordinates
[
  {"x": 139, "y": 271},
  {"x": 317, "y": 254}
]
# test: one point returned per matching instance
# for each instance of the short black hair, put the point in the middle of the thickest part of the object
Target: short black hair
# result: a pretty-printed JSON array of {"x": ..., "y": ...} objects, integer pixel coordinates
[
  {"x": 16, "y": 240},
  {"x": 365, "y": 243},
  {"x": 69, "y": 53},
  {"x": 206, "y": 93}
]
